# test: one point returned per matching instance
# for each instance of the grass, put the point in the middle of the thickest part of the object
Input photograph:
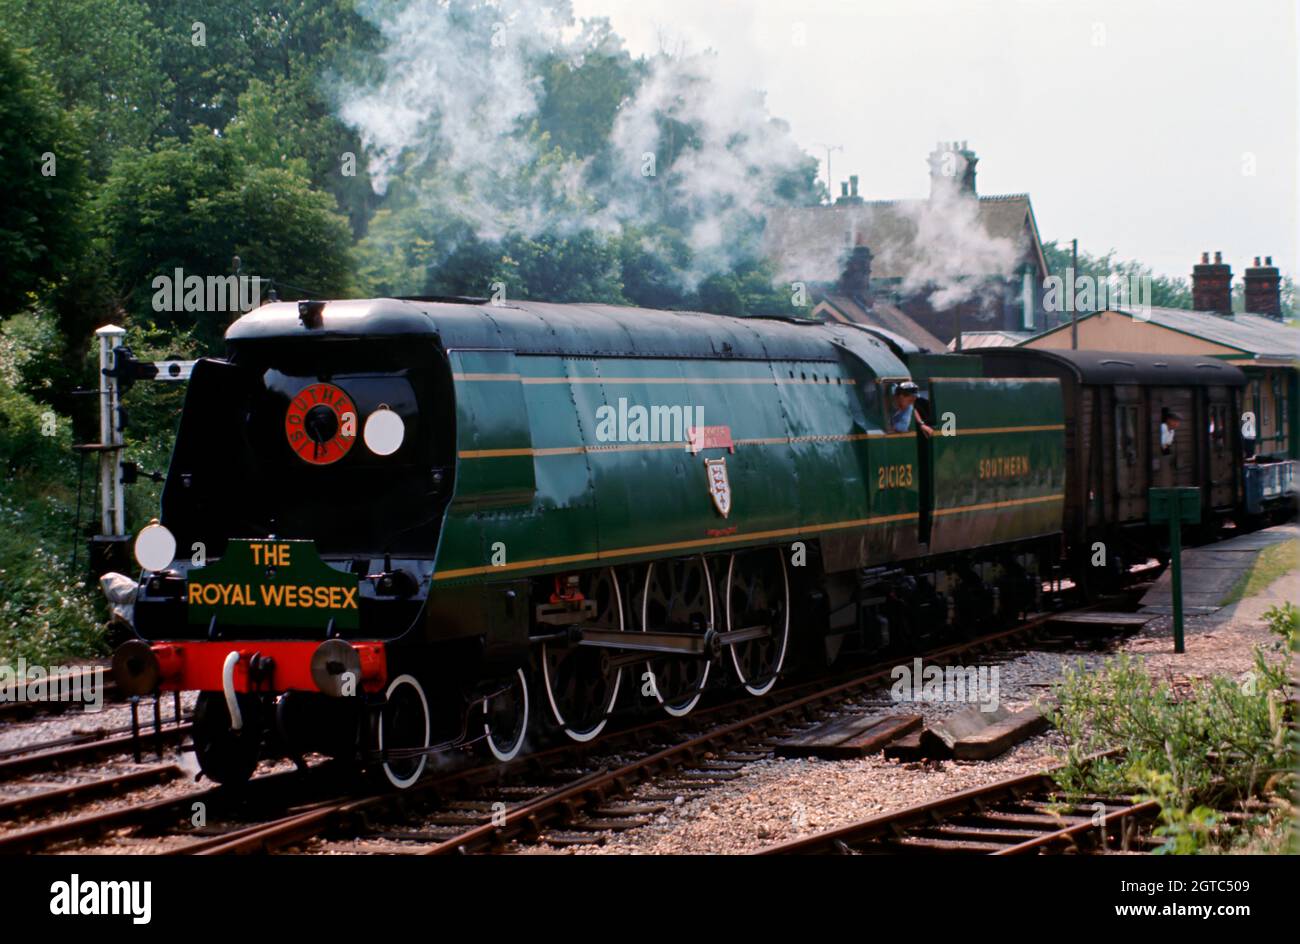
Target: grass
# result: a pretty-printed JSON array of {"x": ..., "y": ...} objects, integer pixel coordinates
[{"x": 1273, "y": 562}]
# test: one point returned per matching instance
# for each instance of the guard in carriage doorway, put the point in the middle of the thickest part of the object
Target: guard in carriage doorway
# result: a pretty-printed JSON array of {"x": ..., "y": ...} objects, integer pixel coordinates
[{"x": 1169, "y": 421}]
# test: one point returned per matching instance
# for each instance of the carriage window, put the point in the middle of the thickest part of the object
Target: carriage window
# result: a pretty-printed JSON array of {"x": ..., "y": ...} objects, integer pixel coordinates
[
  {"x": 1126, "y": 431},
  {"x": 1219, "y": 426}
]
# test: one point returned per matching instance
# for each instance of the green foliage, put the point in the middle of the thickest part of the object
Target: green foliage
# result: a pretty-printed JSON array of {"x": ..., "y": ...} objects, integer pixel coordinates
[
  {"x": 44, "y": 614},
  {"x": 42, "y": 184},
  {"x": 581, "y": 267},
  {"x": 287, "y": 123},
  {"x": 196, "y": 205},
  {"x": 31, "y": 351},
  {"x": 749, "y": 289},
  {"x": 103, "y": 58},
  {"x": 243, "y": 40},
  {"x": 1284, "y": 622},
  {"x": 1193, "y": 751},
  {"x": 581, "y": 100},
  {"x": 1166, "y": 292}
]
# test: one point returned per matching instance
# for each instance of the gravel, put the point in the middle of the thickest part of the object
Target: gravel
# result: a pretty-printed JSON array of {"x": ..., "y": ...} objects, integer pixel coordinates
[{"x": 778, "y": 800}]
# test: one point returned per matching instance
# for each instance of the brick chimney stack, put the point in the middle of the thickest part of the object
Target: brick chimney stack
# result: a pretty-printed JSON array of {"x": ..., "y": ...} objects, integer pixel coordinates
[
  {"x": 952, "y": 169},
  {"x": 849, "y": 192},
  {"x": 1212, "y": 285},
  {"x": 1264, "y": 289},
  {"x": 855, "y": 281}
]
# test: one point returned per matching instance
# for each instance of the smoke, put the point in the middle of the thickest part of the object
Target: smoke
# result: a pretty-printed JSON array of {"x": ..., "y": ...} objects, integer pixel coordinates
[
  {"x": 452, "y": 115},
  {"x": 952, "y": 256},
  {"x": 456, "y": 86},
  {"x": 737, "y": 162}
]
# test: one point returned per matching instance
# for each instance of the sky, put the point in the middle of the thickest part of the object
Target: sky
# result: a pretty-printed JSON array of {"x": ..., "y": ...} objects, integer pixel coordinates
[{"x": 1159, "y": 128}]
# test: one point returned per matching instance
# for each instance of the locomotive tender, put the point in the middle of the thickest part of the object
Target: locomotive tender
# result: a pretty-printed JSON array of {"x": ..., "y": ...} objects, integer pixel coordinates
[{"x": 403, "y": 525}]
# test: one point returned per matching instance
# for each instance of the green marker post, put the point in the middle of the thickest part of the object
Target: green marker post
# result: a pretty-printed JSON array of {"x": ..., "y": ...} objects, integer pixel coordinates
[{"x": 1175, "y": 505}]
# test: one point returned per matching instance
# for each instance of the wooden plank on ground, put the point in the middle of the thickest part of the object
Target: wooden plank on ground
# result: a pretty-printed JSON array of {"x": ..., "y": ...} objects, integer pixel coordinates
[
  {"x": 906, "y": 748},
  {"x": 968, "y": 723},
  {"x": 851, "y": 736},
  {"x": 805, "y": 743},
  {"x": 1103, "y": 621},
  {"x": 873, "y": 739},
  {"x": 1000, "y": 736}
]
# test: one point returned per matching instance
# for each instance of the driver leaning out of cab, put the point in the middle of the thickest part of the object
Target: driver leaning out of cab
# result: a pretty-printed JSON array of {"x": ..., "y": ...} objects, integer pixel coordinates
[{"x": 904, "y": 410}]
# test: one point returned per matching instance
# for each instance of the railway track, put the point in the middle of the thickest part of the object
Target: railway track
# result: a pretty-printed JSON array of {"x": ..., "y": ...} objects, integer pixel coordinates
[
  {"x": 564, "y": 795},
  {"x": 569, "y": 795},
  {"x": 88, "y": 746},
  {"x": 15, "y": 709},
  {"x": 1017, "y": 816}
]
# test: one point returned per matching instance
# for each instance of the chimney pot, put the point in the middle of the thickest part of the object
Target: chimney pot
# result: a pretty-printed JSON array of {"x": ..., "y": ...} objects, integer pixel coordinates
[
  {"x": 1263, "y": 293},
  {"x": 844, "y": 189},
  {"x": 855, "y": 280},
  {"x": 853, "y": 185},
  {"x": 1212, "y": 285}
]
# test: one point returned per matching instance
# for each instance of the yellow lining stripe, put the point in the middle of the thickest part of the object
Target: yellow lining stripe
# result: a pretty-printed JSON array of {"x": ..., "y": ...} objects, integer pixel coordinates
[
  {"x": 675, "y": 546},
  {"x": 769, "y": 441},
  {"x": 651, "y": 447},
  {"x": 1039, "y": 380},
  {"x": 980, "y": 431},
  {"x": 988, "y": 506},
  {"x": 495, "y": 377},
  {"x": 983, "y": 430},
  {"x": 728, "y": 539},
  {"x": 825, "y": 382}
]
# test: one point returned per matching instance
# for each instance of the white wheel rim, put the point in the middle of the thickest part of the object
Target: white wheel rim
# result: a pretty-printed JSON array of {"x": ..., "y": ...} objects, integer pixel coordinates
[
  {"x": 677, "y": 711},
  {"x": 513, "y": 751},
  {"x": 785, "y": 629},
  {"x": 583, "y": 736},
  {"x": 403, "y": 782}
]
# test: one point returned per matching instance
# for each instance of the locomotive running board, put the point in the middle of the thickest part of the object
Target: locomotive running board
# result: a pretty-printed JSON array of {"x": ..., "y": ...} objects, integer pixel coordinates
[{"x": 690, "y": 645}]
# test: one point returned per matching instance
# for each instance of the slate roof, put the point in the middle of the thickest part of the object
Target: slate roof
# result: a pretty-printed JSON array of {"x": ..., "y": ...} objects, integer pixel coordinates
[
  {"x": 846, "y": 309},
  {"x": 800, "y": 238},
  {"x": 1251, "y": 334}
]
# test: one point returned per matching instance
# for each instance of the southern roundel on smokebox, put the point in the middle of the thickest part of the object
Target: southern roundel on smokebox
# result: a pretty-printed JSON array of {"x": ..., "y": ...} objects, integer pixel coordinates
[{"x": 321, "y": 424}]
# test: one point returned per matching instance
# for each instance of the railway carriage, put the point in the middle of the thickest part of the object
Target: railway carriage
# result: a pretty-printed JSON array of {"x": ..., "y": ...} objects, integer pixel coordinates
[
  {"x": 394, "y": 526},
  {"x": 1114, "y": 406}
]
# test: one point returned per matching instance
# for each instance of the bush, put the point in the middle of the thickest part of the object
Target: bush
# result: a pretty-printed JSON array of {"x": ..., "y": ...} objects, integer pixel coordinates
[
  {"x": 46, "y": 613},
  {"x": 1195, "y": 751}
]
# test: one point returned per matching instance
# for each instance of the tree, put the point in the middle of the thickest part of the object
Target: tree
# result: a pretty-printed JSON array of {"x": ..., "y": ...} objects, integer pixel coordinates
[
  {"x": 1166, "y": 292},
  {"x": 212, "y": 49},
  {"x": 580, "y": 100},
  {"x": 287, "y": 123},
  {"x": 103, "y": 59},
  {"x": 196, "y": 205},
  {"x": 42, "y": 184}
]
